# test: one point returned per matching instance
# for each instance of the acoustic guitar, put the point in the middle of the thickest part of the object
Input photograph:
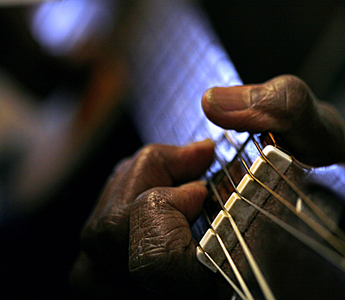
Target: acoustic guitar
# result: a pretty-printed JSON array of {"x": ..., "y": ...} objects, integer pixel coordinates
[{"x": 270, "y": 223}]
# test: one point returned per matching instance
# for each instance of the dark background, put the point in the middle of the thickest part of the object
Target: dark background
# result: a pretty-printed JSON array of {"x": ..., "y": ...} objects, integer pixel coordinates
[{"x": 263, "y": 38}]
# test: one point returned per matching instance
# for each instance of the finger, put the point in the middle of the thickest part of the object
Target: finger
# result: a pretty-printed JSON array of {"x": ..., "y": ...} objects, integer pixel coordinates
[
  {"x": 162, "y": 165},
  {"x": 190, "y": 203},
  {"x": 153, "y": 166},
  {"x": 273, "y": 106},
  {"x": 286, "y": 106},
  {"x": 162, "y": 250},
  {"x": 158, "y": 165}
]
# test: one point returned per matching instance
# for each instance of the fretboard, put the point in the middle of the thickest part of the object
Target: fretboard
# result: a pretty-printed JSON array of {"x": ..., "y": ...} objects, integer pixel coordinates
[{"x": 175, "y": 56}]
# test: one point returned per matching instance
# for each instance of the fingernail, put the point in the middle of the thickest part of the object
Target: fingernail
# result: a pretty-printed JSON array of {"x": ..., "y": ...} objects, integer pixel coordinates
[
  {"x": 201, "y": 182},
  {"x": 206, "y": 142},
  {"x": 229, "y": 98}
]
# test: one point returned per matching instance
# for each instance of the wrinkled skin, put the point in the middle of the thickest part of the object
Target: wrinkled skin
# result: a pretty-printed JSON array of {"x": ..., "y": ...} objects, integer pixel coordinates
[
  {"x": 137, "y": 243},
  {"x": 311, "y": 129}
]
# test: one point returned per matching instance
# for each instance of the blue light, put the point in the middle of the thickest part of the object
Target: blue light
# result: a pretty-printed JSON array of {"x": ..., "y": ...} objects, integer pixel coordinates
[{"x": 61, "y": 26}]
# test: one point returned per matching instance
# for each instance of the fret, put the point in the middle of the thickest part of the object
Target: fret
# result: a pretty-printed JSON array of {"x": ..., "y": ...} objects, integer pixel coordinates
[
  {"x": 180, "y": 72},
  {"x": 247, "y": 188},
  {"x": 210, "y": 243},
  {"x": 175, "y": 57}
]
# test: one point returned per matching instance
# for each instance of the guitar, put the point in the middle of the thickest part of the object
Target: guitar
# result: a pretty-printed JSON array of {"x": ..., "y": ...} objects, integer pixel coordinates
[{"x": 281, "y": 248}]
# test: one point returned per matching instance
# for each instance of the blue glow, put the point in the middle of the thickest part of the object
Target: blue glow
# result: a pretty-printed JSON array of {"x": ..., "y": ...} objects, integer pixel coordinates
[
  {"x": 61, "y": 26},
  {"x": 177, "y": 58}
]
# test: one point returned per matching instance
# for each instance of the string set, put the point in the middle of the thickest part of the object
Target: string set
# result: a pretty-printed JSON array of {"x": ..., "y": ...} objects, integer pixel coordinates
[{"x": 330, "y": 232}]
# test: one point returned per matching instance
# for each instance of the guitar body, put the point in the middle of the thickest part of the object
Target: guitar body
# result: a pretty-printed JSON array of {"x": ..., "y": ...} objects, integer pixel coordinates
[{"x": 175, "y": 57}]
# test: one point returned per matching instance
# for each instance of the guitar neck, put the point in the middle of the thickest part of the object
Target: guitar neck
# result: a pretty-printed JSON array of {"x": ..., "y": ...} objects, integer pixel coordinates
[{"x": 175, "y": 57}]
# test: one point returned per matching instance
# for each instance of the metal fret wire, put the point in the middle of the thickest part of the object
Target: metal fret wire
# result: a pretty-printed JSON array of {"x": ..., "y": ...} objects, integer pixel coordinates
[
  {"x": 317, "y": 211},
  {"x": 230, "y": 260},
  {"x": 227, "y": 278},
  {"x": 333, "y": 240},
  {"x": 253, "y": 265},
  {"x": 327, "y": 253},
  {"x": 216, "y": 63},
  {"x": 336, "y": 242}
]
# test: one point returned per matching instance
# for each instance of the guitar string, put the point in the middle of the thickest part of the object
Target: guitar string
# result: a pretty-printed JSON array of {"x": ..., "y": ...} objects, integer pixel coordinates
[
  {"x": 249, "y": 256},
  {"x": 324, "y": 251},
  {"x": 317, "y": 210},
  {"x": 232, "y": 264},
  {"x": 333, "y": 240},
  {"x": 227, "y": 278},
  {"x": 254, "y": 266}
]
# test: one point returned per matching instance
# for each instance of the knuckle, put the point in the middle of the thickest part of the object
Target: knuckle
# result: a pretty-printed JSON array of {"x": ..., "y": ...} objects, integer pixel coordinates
[
  {"x": 146, "y": 156},
  {"x": 287, "y": 93},
  {"x": 153, "y": 195},
  {"x": 96, "y": 228},
  {"x": 105, "y": 225},
  {"x": 149, "y": 153},
  {"x": 290, "y": 79},
  {"x": 106, "y": 243},
  {"x": 122, "y": 164},
  {"x": 298, "y": 95},
  {"x": 149, "y": 201},
  {"x": 154, "y": 198},
  {"x": 112, "y": 229},
  {"x": 286, "y": 83},
  {"x": 150, "y": 159},
  {"x": 101, "y": 232},
  {"x": 296, "y": 85}
]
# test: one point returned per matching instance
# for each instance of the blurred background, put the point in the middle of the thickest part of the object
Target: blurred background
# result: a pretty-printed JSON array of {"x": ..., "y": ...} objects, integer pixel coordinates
[{"x": 65, "y": 122}]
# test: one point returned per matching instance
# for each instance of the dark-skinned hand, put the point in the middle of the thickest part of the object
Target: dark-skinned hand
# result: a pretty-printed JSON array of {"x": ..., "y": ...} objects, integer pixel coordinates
[
  {"x": 137, "y": 243},
  {"x": 311, "y": 129}
]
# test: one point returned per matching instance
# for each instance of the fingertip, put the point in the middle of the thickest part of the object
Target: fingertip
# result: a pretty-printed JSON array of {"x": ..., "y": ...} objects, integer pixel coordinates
[
  {"x": 228, "y": 107},
  {"x": 198, "y": 186},
  {"x": 206, "y": 143},
  {"x": 203, "y": 150},
  {"x": 207, "y": 98},
  {"x": 224, "y": 99},
  {"x": 201, "y": 183},
  {"x": 198, "y": 190},
  {"x": 195, "y": 194}
]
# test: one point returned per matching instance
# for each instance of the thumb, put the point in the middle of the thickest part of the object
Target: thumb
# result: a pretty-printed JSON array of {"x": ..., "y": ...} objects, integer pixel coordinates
[
  {"x": 311, "y": 129},
  {"x": 276, "y": 105}
]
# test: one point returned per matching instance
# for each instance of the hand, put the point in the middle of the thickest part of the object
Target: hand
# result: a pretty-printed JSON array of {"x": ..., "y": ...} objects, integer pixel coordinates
[
  {"x": 139, "y": 233},
  {"x": 311, "y": 129},
  {"x": 143, "y": 209}
]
